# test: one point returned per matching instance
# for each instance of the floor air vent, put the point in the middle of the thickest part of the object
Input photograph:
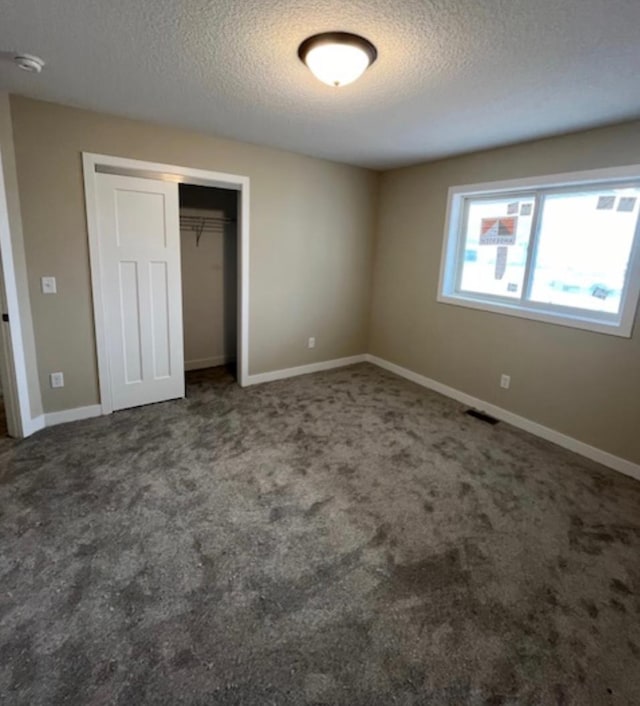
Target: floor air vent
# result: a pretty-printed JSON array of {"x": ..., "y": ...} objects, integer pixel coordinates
[{"x": 482, "y": 416}]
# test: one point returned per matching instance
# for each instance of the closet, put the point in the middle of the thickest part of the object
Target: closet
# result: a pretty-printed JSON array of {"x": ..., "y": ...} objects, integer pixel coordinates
[{"x": 209, "y": 264}]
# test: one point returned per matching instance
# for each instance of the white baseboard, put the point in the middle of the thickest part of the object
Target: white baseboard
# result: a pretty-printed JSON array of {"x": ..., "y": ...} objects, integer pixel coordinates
[
  {"x": 604, "y": 457},
  {"x": 305, "y": 369},
  {"x": 72, "y": 415},
  {"x": 201, "y": 363}
]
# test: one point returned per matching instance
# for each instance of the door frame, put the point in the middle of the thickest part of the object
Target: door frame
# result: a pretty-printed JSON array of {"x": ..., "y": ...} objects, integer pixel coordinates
[
  {"x": 98, "y": 163},
  {"x": 13, "y": 361}
]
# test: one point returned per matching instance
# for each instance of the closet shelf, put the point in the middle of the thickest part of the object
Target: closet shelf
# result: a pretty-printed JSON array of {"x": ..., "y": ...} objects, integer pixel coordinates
[{"x": 204, "y": 224}]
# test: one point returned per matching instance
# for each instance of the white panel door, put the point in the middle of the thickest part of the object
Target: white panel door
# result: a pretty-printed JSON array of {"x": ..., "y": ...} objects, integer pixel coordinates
[{"x": 138, "y": 221}]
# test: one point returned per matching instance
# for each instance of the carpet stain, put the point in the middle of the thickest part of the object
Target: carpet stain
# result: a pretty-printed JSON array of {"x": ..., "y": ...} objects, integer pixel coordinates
[{"x": 434, "y": 573}]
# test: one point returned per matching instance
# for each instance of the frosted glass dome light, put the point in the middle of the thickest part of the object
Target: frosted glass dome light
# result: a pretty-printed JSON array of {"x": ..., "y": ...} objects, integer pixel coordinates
[{"x": 337, "y": 58}]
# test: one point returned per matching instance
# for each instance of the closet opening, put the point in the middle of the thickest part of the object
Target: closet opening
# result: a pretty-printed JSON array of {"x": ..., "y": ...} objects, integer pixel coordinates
[{"x": 209, "y": 245}]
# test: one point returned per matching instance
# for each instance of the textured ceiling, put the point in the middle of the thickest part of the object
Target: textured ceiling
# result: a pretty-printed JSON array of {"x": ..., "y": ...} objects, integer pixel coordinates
[{"x": 452, "y": 75}]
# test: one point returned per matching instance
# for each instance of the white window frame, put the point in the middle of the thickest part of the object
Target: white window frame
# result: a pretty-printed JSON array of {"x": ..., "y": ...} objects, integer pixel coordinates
[{"x": 452, "y": 261}]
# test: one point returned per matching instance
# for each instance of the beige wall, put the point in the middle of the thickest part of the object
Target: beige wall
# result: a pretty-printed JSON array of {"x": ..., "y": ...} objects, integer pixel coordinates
[
  {"x": 583, "y": 384},
  {"x": 310, "y": 254},
  {"x": 15, "y": 224}
]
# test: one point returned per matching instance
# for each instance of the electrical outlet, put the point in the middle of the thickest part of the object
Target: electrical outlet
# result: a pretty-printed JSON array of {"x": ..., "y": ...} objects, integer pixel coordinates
[
  {"x": 312, "y": 342},
  {"x": 48, "y": 285},
  {"x": 505, "y": 381},
  {"x": 57, "y": 379}
]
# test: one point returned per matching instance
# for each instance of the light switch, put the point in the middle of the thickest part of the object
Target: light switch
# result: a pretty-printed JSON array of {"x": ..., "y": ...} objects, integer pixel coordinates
[
  {"x": 48, "y": 285},
  {"x": 56, "y": 379}
]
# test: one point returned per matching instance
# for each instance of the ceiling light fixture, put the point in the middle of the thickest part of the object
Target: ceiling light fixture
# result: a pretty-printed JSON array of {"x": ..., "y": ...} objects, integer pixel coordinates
[
  {"x": 28, "y": 62},
  {"x": 337, "y": 58}
]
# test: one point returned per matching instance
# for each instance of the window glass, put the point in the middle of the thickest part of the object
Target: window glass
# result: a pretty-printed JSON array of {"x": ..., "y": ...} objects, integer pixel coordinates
[
  {"x": 583, "y": 248},
  {"x": 496, "y": 240}
]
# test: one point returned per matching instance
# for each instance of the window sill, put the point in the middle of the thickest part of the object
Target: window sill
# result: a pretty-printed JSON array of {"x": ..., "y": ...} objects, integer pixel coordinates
[{"x": 615, "y": 328}]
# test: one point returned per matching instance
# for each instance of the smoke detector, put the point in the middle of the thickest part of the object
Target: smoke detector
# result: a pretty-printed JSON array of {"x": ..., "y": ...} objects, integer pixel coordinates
[{"x": 28, "y": 62}]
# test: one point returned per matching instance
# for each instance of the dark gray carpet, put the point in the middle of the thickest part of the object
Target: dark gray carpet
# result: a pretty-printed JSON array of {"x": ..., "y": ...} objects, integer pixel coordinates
[{"x": 340, "y": 538}]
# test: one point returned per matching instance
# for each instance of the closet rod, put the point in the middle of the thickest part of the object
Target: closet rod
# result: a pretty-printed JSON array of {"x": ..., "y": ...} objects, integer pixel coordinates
[{"x": 204, "y": 224}]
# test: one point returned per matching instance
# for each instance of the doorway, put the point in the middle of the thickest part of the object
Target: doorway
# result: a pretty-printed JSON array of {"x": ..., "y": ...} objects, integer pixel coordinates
[
  {"x": 209, "y": 265},
  {"x": 122, "y": 252},
  {"x": 5, "y": 371},
  {"x": 4, "y": 429}
]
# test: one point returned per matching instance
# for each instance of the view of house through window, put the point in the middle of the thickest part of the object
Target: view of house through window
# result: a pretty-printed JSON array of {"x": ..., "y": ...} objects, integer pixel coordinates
[
  {"x": 497, "y": 235},
  {"x": 560, "y": 251}
]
